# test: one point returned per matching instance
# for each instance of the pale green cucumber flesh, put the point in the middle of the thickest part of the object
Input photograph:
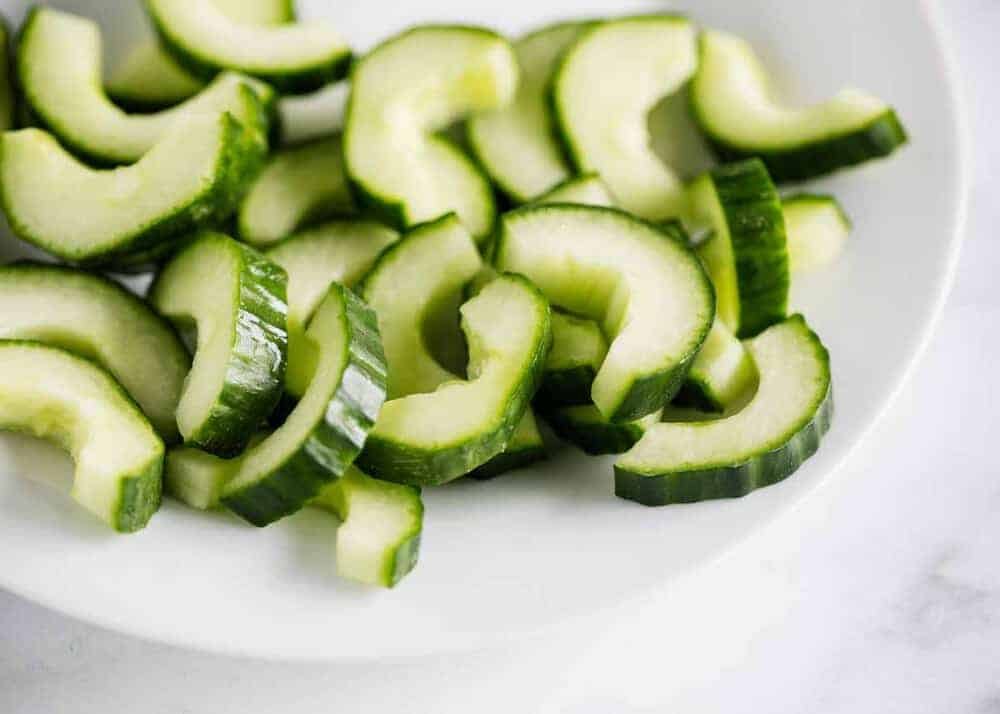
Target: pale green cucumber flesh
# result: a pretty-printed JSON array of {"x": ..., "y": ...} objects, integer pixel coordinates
[
  {"x": 721, "y": 377},
  {"x": 403, "y": 92},
  {"x": 55, "y": 395},
  {"x": 625, "y": 67},
  {"x": 120, "y": 218},
  {"x": 746, "y": 255},
  {"x": 647, "y": 291},
  {"x": 98, "y": 319},
  {"x": 817, "y": 229},
  {"x": 588, "y": 189},
  {"x": 328, "y": 427},
  {"x": 733, "y": 103},
  {"x": 517, "y": 144},
  {"x": 338, "y": 251},
  {"x": 761, "y": 444},
  {"x": 378, "y": 541},
  {"x": 578, "y": 350},
  {"x": 297, "y": 186},
  {"x": 434, "y": 437},
  {"x": 236, "y": 300}
]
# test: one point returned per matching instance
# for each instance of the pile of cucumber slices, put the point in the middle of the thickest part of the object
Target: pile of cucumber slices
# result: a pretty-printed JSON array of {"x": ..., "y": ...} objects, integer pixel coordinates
[{"x": 489, "y": 244}]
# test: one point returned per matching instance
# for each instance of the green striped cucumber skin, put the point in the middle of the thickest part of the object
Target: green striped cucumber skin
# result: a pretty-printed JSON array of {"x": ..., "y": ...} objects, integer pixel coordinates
[
  {"x": 390, "y": 460},
  {"x": 877, "y": 139},
  {"x": 565, "y": 387},
  {"x": 730, "y": 481},
  {"x": 752, "y": 209},
  {"x": 258, "y": 359},
  {"x": 142, "y": 493},
  {"x": 300, "y": 81},
  {"x": 337, "y": 440}
]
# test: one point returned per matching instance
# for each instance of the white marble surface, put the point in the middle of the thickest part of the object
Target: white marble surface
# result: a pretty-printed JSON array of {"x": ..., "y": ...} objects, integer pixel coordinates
[{"x": 880, "y": 594}]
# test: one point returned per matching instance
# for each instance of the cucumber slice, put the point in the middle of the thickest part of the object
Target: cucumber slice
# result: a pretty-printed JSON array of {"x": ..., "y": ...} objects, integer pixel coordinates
[
  {"x": 123, "y": 217},
  {"x": 516, "y": 144},
  {"x": 817, "y": 230},
  {"x": 524, "y": 448},
  {"x": 437, "y": 436},
  {"x": 407, "y": 88},
  {"x": 409, "y": 284},
  {"x": 59, "y": 66},
  {"x": 197, "y": 478},
  {"x": 762, "y": 444},
  {"x": 624, "y": 67},
  {"x": 578, "y": 351},
  {"x": 55, "y": 395},
  {"x": 235, "y": 299},
  {"x": 648, "y": 292},
  {"x": 587, "y": 429},
  {"x": 746, "y": 255},
  {"x": 588, "y": 189},
  {"x": 379, "y": 538},
  {"x": 339, "y": 251},
  {"x": 294, "y": 58},
  {"x": 98, "y": 319},
  {"x": 328, "y": 426},
  {"x": 297, "y": 186},
  {"x": 722, "y": 376},
  {"x": 149, "y": 78},
  {"x": 733, "y": 103}
]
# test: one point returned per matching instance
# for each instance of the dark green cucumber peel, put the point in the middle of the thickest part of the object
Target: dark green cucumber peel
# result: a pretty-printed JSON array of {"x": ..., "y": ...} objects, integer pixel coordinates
[
  {"x": 390, "y": 460},
  {"x": 752, "y": 211},
  {"x": 596, "y": 437},
  {"x": 565, "y": 387},
  {"x": 335, "y": 442}
]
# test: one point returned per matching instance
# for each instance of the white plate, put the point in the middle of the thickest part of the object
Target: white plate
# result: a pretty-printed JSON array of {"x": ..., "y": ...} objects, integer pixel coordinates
[{"x": 533, "y": 549}]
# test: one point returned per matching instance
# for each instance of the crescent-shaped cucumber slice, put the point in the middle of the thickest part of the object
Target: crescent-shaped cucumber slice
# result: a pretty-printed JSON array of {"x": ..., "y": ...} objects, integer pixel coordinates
[
  {"x": 760, "y": 445},
  {"x": 58, "y": 396}
]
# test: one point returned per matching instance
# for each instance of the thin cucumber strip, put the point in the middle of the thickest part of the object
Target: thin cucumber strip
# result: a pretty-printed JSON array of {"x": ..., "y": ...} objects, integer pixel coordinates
[
  {"x": 746, "y": 254},
  {"x": 328, "y": 427},
  {"x": 817, "y": 229},
  {"x": 58, "y": 396},
  {"x": 59, "y": 67},
  {"x": 338, "y": 251},
  {"x": 148, "y": 78},
  {"x": 517, "y": 144},
  {"x": 588, "y": 189},
  {"x": 578, "y": 351},
  {"x": 721, "y": 377},
  {"x": 586, "y": 428},
  {"x": 733, "y": 103},
  {"x": 602, "y": 93},
  {"x": 122, "y": 218},
  {"x": 648, "y": 292},
  {"x": 435, "y": 437},
  {"x": 297, "y": 186},
  {"x": 378, "y": 541},
  {"x": 406, "y": 287},
  {"x": 295, "y": 58},
  {"x": 98, "y": 319},
  {"x": 197, "y": 478},
  {"x": 402, "y": 92},
  {"x": 760, "y": 445},
  {"x": 235, "y": 299}
]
